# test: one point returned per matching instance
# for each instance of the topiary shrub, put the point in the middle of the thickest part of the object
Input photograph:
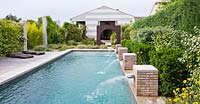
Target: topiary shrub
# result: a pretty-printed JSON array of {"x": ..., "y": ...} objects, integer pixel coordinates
[
  {"x": 11, "y": 37},
  {"x": 113, "y": 38}
]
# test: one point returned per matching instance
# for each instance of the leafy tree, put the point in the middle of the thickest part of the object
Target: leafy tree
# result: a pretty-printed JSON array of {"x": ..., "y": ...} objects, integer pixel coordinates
[
  {"x": 72, "y": 32},
  {"x": 126, "y": 31},
  {"x": 34, "y": 34},
  {"x": 83, "y": 30},
  {"x": 12, "y": 18},
  {"x": 53, "y": 31}
]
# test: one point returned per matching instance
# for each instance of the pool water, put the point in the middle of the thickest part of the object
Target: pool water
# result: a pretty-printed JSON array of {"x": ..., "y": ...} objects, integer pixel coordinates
[{"x": 76, "y": 78}]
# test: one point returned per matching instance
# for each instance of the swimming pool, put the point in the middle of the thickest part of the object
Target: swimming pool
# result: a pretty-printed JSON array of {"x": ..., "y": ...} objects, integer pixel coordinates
[{"x": 76, "y": 78}]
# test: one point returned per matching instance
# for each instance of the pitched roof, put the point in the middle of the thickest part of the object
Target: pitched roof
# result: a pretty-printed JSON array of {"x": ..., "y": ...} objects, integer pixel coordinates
[{"x": 102, "y": 7}]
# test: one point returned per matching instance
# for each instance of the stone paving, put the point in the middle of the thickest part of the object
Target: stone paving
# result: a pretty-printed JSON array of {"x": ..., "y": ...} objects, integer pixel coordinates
[{"x": 11, "y": 68}]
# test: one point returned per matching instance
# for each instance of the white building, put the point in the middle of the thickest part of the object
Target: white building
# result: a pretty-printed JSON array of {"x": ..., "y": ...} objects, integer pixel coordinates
[{"x": 102, "y": 19}]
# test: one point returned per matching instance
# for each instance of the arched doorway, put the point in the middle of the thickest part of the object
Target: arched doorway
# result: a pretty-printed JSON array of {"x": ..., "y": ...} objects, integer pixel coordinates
[
  {"x": 107, "y": 29},
  {"x": 106, "y": 37}
]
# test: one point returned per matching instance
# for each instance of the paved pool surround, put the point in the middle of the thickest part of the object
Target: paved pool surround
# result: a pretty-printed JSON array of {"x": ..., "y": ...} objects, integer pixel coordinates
[{"x": 12, "y": 68}]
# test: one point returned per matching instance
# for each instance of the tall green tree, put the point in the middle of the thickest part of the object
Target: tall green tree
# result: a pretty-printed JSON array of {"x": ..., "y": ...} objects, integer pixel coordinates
[
  {"x": 34, "y": 34},
  {"x": 12, "y": 18},
  {"x": 53, "y": 31},
  {"x": 72, "y": 32}
]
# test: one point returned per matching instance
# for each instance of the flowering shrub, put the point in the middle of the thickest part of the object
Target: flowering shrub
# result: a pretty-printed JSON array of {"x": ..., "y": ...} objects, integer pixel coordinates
[
  {"x": 190, "y": 94},
  {"x": 161, "y": 47}
]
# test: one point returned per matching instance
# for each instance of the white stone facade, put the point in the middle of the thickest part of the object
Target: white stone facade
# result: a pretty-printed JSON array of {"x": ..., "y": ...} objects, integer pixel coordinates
[{"x": 93, "y": 18}]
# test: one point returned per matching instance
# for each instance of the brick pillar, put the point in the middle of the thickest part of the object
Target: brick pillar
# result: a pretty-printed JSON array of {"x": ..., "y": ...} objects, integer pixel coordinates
[
  {"x": 117, "y": 46},
  {"x": 129, "y": 59},
  {"x": 122, "y": 50},
  {"x": 146, "y": 80}
]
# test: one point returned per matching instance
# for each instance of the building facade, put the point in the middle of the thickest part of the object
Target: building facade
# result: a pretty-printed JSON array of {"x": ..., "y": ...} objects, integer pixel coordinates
[{"x": 102, "y": 19}]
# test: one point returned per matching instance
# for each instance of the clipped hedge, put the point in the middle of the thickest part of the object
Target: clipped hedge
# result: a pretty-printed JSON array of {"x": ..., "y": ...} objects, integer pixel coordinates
[
  {"x": 181, "y": 14},
  {"x": 128, "y": 44},
  {"x": 142, "y": 50},
  {"x": 171, "y": 71},
  {"x": 11, "y": 37}
]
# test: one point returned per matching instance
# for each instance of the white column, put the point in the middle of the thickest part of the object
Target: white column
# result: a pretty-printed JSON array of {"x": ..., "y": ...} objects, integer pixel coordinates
[
  {"x": 44, "y": 23},
  {"x": 25, "y": 36}
]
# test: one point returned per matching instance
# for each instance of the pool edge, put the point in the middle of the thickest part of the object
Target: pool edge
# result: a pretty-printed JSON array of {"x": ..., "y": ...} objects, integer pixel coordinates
[
  {"x": 128, "y": 81},
  {"x": 62, "y": 53}
]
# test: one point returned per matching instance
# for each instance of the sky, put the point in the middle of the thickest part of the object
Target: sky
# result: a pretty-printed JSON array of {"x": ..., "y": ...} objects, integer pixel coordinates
[{"x": 63, "y": 10}]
